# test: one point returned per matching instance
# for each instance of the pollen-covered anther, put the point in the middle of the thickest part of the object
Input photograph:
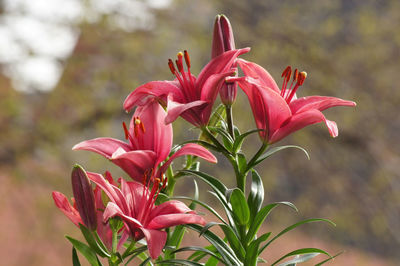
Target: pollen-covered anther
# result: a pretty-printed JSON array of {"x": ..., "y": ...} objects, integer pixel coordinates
[
  {"x": 302, "y": 77},
  {"x": 295, "y": 75}
]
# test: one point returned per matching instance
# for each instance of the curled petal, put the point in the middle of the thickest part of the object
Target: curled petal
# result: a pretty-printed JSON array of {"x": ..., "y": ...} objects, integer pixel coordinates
[
  {"x": 168, "y": 220},
  {"x": 113, "y": 210},
  {"x": 63, "y": 204},
  {"x": 175, "y": 109},
  {"x": 111, "y": 191},
  {"x": 190, "y": 149},
  {"x": 300, "y": 120},
  {"x": 155, "y": 89},
  {"x": 135, "y": 163},
  {"x": 259, "y": 73},
  {"x": 155, "y": 241},
  {"x": 170, "y": 207},
  {"x": 103, "y": 146},
  {"x": 219, "y": 64},
  {"x": 317, "y": 102}
]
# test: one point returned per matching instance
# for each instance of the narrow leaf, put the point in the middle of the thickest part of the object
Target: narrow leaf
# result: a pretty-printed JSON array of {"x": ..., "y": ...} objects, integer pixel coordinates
[
  {"x": 328, "y": 259},
  {"x": 89, "y": 254},
  {"x": 302, "y": 251},
  {"x": 269, "y": 152},
  {"x": 75, "y": 258},
  {"x": 252, "y": 250},
  {"x": 234, "y": 241},
  {"x": 239, "y": 207},
  {"x": 299, "y": 259},
  {"x": 289, "y": 228},
  {"x": 256, "y": 196},
  {"x": 239, "y": 140},
  {"x": 92, "y": 242},
  {"x": 198, "y": 249}
]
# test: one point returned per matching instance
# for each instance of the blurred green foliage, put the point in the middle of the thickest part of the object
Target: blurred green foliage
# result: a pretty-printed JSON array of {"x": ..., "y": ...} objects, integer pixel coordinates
[{"x": 350, "y": 49}]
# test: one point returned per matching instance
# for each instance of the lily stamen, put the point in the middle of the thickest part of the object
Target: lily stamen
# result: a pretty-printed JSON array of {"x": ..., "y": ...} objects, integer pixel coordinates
[{"x": 297, "y": 81}]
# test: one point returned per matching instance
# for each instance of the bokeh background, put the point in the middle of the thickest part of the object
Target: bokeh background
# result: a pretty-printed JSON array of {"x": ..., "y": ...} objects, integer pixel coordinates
[{"x": 67, "y": 66}]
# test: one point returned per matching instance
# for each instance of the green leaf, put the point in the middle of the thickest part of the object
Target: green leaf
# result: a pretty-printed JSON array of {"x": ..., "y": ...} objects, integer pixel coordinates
[
  {"x": 199, "y": 249},
  {"x": 239, "y": 140},
  {"x": 299, "y": 259},
  {"x": 261, "y": 216},
  {"x": 175, "y": 240},
  {"x": 178, "y": 262},
  {"x": 88, "y": 253},
  {"x": 269, "y": 152},
  {"x": 205, "y": 205},
  {"x": 196, "y": 195},
  {"x": 227, "y": 139},
  {"x": 241, "y": 159},
  {"x": 239, "y": 207},
  {"x": 135, "y": 253},
  {"x": 147, "y": 260},
  {"x": 227, "y": 254},
  {"x": 256, "y": 196},
  {"x": 75, "y": 258},
  {"x": 252, "y": 250},
  {"x": 328, "y": 259},
  {"x": 233, "y": 240},
  {"x": 198, "y": 255},
  {"x": 92, "y": 242},
  {"x": 289, "y": 228},
  {"x": 302, "y": 251},
  {"x": 212, "y": 262}
]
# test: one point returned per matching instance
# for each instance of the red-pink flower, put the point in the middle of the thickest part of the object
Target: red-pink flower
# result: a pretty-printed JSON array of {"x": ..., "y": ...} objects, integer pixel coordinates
[
  {"x": 134, "y": 203},
  {"x": 187, "y": 96},
  {"x": 279, "y": 112},
  {"x": 149, "y": 144}
]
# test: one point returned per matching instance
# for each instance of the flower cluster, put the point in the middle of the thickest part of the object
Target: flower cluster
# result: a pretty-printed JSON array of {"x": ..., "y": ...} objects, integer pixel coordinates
[{"x": 122, "y": 219}]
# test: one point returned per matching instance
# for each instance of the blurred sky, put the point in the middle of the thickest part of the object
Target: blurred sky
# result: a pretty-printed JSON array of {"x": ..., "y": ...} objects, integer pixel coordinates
[{"x": 36, "y": 37}]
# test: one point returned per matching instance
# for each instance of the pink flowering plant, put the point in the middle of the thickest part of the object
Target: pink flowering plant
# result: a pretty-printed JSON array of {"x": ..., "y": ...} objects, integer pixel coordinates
[{"x": 139, "y": 217}]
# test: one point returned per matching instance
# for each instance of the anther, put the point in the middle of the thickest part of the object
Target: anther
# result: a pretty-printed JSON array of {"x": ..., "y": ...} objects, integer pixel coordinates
[
  {"x": 171, "y": 66},
  {"x": 287, "y": 70},
  {"x": 187, "y": 58},
  {"x": 302, "y": 77},
  {"x": 295, "y": 75}
]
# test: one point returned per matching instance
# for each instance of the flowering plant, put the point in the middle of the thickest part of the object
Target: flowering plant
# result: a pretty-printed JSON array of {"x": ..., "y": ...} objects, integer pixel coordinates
[{"x": 140, "y": 217}]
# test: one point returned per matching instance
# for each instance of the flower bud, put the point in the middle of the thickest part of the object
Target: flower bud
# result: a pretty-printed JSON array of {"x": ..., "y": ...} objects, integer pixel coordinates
[
  {"x": 223, "y": 41},
  {"x": 84, "y": 197}
]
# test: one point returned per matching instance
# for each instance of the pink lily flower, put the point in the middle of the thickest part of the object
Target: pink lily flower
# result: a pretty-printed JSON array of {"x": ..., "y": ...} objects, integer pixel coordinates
[
  {"x": 149, "y": 144},
  {"x": 187, "y": 96},
  {"x": 134, "y": 203},
  {"x": 279, "y": 112}
]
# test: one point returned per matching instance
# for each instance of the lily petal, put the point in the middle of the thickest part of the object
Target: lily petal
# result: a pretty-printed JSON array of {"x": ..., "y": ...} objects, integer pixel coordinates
[
  {"x": 259, "y": 73},
  {"x": 135, "y": 163},
  {"x": 303, "y": 119},
  {"x": 157, "y": 136},
  {"x": 170, "y": 207},
  {"x": 219, "y": 64},
  {"x": 111, "y": 191},
  {"x": 267, "y": 105},
  {"x": 317, "y": 102},
  {"x": 103, "y": 146},
  {"x": 175, "y": 109},
  {"x": 155, "y": 89},
  {"x": 63, "y": 204},
  {"x": 168, "y": 220},
  {"x": 113, "y": 210},
  {"x": 190, "y": 149},
  {"x": 155, "y": 241}
]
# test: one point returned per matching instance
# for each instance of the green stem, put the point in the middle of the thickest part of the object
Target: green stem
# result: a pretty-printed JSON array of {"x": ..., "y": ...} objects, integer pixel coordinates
[
  {"x": 129, "y": 249},
  {"x": 256, "y": 156},
  {"x": 240, "y": 178},
  {"x": 229, "y": 120}
]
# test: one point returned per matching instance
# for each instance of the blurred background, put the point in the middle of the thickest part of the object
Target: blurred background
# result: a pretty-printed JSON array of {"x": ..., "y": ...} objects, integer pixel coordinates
[{"x": 67, "y": 66}]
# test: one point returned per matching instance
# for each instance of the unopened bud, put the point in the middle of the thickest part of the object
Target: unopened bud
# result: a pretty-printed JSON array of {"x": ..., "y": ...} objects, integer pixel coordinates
[{"x": 84, "y": 197}]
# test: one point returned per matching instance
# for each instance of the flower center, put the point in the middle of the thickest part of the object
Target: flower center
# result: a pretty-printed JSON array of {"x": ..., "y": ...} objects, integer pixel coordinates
[
  {"x": 298, "y": 79},
  {"x": 149, "y": 196},
  {"x": 138, "y": 129},
  {"x": 185, "y": 78}
]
